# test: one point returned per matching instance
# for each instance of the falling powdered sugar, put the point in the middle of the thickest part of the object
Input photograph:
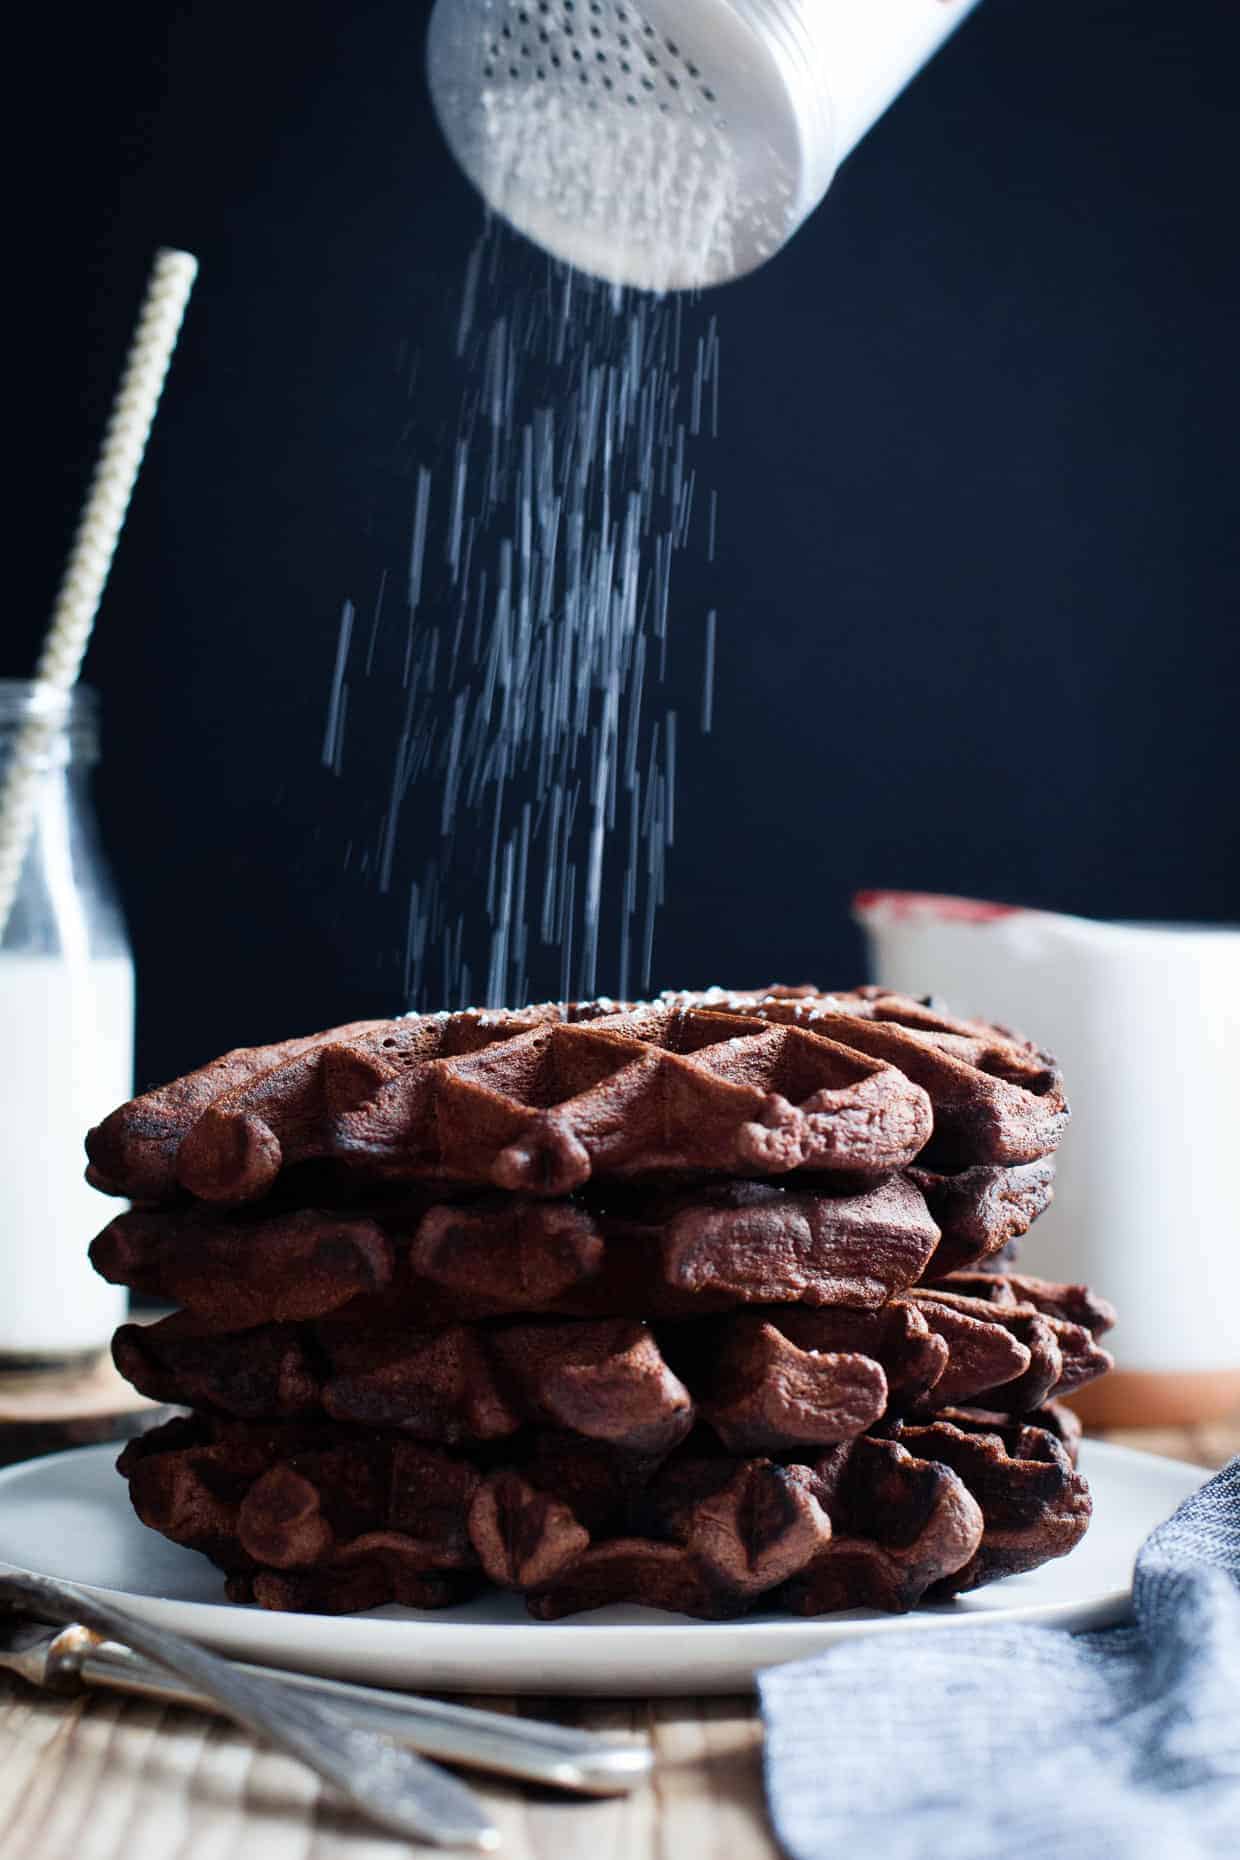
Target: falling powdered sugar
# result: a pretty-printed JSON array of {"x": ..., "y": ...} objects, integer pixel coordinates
[{"x": 534, "y": 768}]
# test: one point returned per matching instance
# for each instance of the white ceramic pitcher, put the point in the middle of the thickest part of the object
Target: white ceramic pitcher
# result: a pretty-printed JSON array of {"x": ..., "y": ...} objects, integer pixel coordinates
[{"x": 1145, "y": 1021}]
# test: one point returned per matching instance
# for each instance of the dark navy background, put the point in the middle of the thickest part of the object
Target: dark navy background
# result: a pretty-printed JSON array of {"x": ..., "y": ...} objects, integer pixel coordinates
[{"x": 977, "y": 474}]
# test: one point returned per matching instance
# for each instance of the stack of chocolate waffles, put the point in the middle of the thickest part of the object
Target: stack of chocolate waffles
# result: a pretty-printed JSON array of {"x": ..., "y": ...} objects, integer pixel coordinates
[{"x": 703, "y": 1304}]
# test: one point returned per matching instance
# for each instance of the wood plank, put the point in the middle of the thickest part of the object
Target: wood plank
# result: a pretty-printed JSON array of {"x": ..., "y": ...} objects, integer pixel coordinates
[
  {"x": 99, "y": 1778},
  {"x": 709, "y": 1781},
  {"x": 35, "y": 1733}
]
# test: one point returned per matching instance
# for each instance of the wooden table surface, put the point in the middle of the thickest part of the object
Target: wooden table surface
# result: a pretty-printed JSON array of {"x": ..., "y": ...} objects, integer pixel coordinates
[{"x": 96, "y": 1778}]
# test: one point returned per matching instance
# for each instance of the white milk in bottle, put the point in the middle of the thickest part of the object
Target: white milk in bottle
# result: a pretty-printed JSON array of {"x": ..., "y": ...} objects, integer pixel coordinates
[{"x": 66, "y": 1019}]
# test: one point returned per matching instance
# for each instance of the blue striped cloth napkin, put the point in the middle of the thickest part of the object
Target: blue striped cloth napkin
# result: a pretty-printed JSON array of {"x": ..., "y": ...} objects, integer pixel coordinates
[{"x": 1024, "y": 1743}]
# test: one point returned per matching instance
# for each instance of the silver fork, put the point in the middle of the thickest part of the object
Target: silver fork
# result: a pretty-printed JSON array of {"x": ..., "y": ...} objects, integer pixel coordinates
[
  {"x": 384, "y": 1782},
  {"x": 553, "y": 1755}
]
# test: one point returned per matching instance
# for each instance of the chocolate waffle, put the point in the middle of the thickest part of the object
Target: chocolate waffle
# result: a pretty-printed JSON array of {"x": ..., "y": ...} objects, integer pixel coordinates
[
  {"x": 541, "y": 1101},
  {"x": 333, "y": 1519},
  {"x": 766, "y": 1380},
  {"x": 638, "y": 1254},
  {"x": 635, "y": 1253},
  {"x": 338, "y": 1519}
]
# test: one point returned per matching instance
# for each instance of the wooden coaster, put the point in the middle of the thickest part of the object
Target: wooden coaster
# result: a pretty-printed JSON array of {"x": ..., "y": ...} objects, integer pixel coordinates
[{"x": 45, "y": 1410}]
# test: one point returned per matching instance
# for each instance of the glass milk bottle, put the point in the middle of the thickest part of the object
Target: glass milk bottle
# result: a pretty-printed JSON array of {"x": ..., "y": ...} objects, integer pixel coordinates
[{"x": 66, "y": 1020}]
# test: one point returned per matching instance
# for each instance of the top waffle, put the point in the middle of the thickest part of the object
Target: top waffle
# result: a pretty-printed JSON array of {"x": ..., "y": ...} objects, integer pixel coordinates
[{"x": 542, "y": 1100}]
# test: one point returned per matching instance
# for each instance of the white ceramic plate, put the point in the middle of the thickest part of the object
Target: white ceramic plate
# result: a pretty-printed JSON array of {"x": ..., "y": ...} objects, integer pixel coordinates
[{"x": 69, "y": 1516}]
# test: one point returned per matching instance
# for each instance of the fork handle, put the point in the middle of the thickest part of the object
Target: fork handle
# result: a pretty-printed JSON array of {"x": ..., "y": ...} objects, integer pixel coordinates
[
  {"x": 387, "y": 1784},
  {"x": 527, "y": 1750}
]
